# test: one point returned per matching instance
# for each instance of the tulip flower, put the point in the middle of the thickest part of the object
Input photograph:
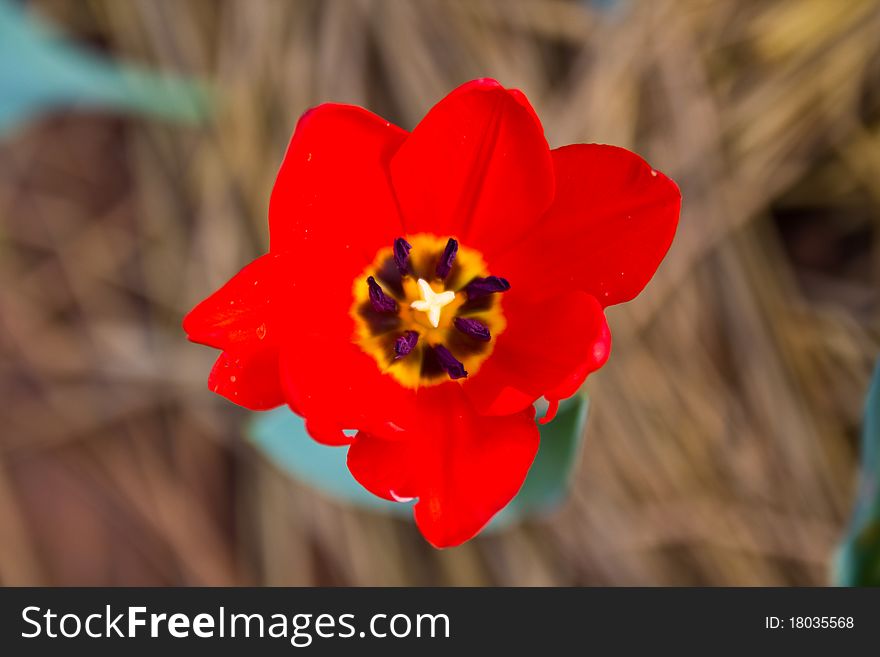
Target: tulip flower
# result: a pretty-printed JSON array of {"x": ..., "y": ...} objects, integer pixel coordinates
[{"x": 425, "y": 288}]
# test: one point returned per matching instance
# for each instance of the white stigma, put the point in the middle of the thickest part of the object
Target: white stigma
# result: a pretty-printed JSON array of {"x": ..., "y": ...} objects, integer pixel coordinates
[{"x": 432, "y": 302}]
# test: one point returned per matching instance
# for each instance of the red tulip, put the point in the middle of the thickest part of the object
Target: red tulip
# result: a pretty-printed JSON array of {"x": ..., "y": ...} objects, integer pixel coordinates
[{"x": 426, "y": 288}]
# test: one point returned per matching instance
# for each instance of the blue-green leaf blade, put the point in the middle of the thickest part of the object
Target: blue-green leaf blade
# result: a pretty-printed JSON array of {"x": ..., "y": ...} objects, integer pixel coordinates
[
  {"x": 858, "y": 560},
  {"x": 41, "y": 71}
]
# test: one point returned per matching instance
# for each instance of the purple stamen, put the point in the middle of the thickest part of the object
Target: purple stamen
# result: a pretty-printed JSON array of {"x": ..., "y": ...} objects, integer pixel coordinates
[
  {"x": 481, "y": 287},
  {"x": 380, "y": 301},
  {"x": 448, "y": 257},
  {"x": 405, "y": 344},
  {"x": 449, "y": 363},
  {"x": 401, "y": 255},
  {"x": 474, "y": 328}
]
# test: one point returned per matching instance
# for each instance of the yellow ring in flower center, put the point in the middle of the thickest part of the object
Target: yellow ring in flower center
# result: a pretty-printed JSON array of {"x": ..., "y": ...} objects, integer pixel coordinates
[{"x": 378, "y": 329}]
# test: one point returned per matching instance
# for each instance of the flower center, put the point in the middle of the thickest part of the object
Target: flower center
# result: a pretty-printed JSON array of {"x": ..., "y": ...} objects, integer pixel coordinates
[
  {"x": 427, "y": 311},
  {"x": 431, "y": 302}
]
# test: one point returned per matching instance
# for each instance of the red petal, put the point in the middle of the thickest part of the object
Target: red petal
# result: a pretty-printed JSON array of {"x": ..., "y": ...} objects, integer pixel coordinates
[
  {"x": 333, "y": 192},
  {"x": 327, "y": 434},
  {"x": 248, "y": 379},
  {"x": 477, "y": 167},
  {"x": 333, "y": 208},
  {"x": 241, "y": 319},
  {"x": 548, "y": 349},
  {"x": 238, "y": 312},
  {"x": 552, "y": 410},
  {"x": 610, "y": 225},
  {"x": 462, "y": 467},
  {"x": 599, "y": 351}
]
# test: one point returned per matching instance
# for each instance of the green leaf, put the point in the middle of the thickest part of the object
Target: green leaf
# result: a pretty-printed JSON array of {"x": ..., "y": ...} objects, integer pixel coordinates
[
  {"x": 40, "y": 71},
  {"x": 282, "y": 436},
  {"x": 858, "y": 560}
]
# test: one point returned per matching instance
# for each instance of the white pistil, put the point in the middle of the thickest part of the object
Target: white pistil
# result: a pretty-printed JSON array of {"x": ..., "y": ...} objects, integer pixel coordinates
[{"x": 432, "y": 302}]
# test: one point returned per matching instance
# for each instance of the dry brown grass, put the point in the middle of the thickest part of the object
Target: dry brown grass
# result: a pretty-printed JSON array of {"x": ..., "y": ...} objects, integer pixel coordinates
[{"x": 721, "y": 446}]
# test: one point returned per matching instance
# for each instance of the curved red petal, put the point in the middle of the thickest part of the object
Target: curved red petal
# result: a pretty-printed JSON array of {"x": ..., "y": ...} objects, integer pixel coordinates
[
  {"x": 241, "y": 318},
  {"x": 520, "y": 97},
  {"x": 333, "y": 192},
  {"x": 239, "y": 312},
  {"x": 249, "y": 379},
  {"x": 611, "y": 223},
  {"x": 327, "y": 434},
  {"x": 462, "y": 467},
  {"x": 552, "y": 410},
  {"x": 477, "y": 167},
  {"x": 548, "y": 349},
  {"x": 597, "y": 355},
  {"x": 332, "y": 209}
]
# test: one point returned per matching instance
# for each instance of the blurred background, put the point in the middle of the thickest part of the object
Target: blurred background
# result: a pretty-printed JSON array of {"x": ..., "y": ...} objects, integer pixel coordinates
[{"x": 722, "y": 442}]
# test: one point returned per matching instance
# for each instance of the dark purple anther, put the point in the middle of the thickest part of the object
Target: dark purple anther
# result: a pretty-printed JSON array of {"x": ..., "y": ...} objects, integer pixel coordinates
[
  {"x": 481, "y": 287},
  {"x": 405, "y": 344},
  {"x": 448, "y": 257},
  {"x": 380, "y": 301},
  {"x": 401, "y": 255},
  {"x": 474, "y": 328},
  {"x": 449, "y": 363}
]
